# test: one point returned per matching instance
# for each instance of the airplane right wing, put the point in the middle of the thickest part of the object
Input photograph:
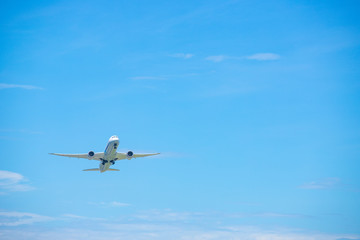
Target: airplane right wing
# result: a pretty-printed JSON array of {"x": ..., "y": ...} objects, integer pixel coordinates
[
  {"x": 96, "y": 156},
  {"x": 136, "y": 155}
]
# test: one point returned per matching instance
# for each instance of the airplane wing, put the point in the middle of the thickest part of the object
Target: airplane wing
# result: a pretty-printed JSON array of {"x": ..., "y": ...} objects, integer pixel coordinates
[
  {"x": 121, "y": 156},
  {"x": 136, "y": 155},
  {"x": 97, "y": 156}
]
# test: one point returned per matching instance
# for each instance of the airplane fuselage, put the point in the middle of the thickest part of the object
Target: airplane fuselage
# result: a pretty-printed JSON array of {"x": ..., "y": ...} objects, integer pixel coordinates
[{"x": 109, "y": 154}]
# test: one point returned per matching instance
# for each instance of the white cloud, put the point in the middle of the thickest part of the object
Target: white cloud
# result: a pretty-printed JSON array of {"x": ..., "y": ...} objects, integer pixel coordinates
[
  {"x": 182, "y": 55},
  {"x": 119, "y": 204},
  {"x": 277, "y": 215},
  {"x": 136, "y": 231},
  {"x": 257, "y": 56},
  {"x": 218, "y": 58},
  {"x": 157, "y": 225},
  {"x": 166, "y": 215},
  {"x": 263, "y": 56},
  {"x": 77, "y": 217},
  {"x": 21, "y": 218},
  {"x": 325, "y": 183},
  {"x": 147, "y": 78},
  {"x": 11, "y": 181},
  {"x": 27, "y": 87}
]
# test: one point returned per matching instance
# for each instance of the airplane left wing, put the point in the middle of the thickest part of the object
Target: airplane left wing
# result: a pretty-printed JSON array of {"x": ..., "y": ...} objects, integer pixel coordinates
[
  {"x": 129, "y": 155},
  {"x": 96, "y": 156}
]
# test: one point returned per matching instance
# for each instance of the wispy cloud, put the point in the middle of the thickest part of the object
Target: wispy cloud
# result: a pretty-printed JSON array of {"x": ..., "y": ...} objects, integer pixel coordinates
[
  {"x": 165, "y": 231},
  {"x": 167, "y": 215},
  {"x": 257, "y": 56},
  {"x": 13, "y": 182},
  {"x": 147, "y": 78},
  {"x": 325, "y": 183},
  {"x": 27, "y": 87},
  {"x": 119, "y": 204},
  {"x": 21, "y": 218},
  {"x": 278, "y": 215},
  {"x": 154, "y": 224},
  {"x": 218, "y": 58},
  {"x": 77, "y": 217},
  {"x": 263, "y": 56},
  {"x": 182, "y": 55}
]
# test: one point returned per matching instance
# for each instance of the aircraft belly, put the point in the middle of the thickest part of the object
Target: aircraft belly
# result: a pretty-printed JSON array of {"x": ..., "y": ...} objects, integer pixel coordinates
[{"x": 110, "y": 151}]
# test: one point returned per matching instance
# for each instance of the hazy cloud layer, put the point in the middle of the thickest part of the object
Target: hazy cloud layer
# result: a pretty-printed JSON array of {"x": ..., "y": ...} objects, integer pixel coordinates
[
  {"x": 152, "y": 224},
  {"x": 70, "y": 216},
  {"x": 21, "y": 218},
  {"x": 257, "y": 56},
  {"x": 131, "y": 231},
  {"x": 12, "y": 182},
  {"x": 263, "y": 56},
  {"x": 218, "y": 58}
]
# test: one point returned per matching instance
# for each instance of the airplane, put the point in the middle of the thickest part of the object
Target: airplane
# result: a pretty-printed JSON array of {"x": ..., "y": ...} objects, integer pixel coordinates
[{"x": 108, "y": 157}]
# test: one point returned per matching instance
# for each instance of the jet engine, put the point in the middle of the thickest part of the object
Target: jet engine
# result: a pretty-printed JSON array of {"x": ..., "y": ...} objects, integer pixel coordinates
[
  {"x": 129, "y": 155},
  {"x": 91, "y": 155}
]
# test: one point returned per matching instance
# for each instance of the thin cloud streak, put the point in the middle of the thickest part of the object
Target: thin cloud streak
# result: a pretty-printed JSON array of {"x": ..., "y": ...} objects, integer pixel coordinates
[
  {"x": 119, "y": 204},
  {"x": 77, "y": 217},
  {"x": 12, "y": 219},
  {"x": 13, "y": 182},
  {"x": 257, "y": 56},
  {"x": 27, "y": 87},
  {"x": 218, "y": 58}
]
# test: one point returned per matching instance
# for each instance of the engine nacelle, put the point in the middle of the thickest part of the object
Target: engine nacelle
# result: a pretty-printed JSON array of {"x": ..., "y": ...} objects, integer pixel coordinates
[
  {"x": 129, "y": 155},
  {"x": 91, "y": 155}
]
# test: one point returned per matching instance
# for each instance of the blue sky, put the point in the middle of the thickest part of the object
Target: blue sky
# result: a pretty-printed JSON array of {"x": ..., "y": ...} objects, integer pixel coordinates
[{"x": 254, "y": 106}]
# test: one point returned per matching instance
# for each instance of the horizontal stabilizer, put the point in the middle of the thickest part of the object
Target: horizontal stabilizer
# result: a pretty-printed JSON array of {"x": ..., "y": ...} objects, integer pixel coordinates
[
  {"x": 92, "y": 169},
  {"x": 98, "y": 169}
]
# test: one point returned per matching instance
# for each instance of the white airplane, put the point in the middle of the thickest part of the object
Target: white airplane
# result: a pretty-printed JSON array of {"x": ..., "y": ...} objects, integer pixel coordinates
[{"x": 108, "y": 157}]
